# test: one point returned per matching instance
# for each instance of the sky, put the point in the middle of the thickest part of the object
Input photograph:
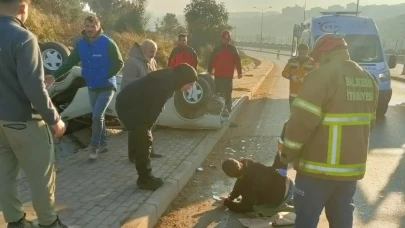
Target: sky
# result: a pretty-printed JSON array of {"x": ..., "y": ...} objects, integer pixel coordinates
[{"x": 161, "y": 7}]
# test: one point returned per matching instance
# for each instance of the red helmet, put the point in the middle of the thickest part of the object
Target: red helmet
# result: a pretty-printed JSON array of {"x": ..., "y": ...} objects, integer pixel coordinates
[
  {"x": 328, "y": 42},
  {"x": 226, "y": 34}
]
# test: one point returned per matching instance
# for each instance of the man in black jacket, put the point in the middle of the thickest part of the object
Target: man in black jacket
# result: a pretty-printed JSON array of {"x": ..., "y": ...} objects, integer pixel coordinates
[
  {"x": 140, "y": 103},
  {"x": 256, "y": 183}
]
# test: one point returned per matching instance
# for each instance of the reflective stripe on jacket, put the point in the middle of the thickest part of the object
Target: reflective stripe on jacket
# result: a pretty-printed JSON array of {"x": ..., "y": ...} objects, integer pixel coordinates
[
  {"x": 294, "y": 67},
  {"x": 327, "y": 135}
]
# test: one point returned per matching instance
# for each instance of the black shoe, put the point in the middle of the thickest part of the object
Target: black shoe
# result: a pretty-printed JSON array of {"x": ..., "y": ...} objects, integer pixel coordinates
[
  {"x": 23, "y": 223},
  {"x": 56, "y": 224},
  {"x": 155, "y": 155},
  {"x": 149, "y": 183}
]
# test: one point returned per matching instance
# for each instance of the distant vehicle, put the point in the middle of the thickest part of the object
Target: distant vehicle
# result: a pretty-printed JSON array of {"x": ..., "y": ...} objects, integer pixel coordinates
[{"x": 363, "y": 39}]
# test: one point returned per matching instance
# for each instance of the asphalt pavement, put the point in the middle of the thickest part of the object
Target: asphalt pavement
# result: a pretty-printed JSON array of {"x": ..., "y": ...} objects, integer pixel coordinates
[{"x": 379, "y": 198}]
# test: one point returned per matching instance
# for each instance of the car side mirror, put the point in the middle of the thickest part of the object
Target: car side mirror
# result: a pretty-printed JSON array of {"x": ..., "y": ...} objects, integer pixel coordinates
[{"x": 392, "y": 61}]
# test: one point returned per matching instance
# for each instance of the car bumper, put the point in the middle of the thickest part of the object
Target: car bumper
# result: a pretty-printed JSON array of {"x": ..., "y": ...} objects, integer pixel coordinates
[{"x": 384, "y": 96}]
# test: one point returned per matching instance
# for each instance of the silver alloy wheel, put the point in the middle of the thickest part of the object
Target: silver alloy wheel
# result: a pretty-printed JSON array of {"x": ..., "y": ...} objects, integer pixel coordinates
[
  {"x": 52, "y": 59},
  {"x": 194, "y": 94}
]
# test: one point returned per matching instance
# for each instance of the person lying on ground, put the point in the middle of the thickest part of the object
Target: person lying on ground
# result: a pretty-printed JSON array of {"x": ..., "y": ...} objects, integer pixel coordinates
[{"x": 257, "y": 183}]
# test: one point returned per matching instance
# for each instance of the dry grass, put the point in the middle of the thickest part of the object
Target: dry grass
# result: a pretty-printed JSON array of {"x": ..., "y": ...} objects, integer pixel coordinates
[{"x": 51, "y": 28}]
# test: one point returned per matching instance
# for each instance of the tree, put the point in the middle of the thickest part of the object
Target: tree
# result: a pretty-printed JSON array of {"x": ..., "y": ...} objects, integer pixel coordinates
[
  {"x": 205, "y": 19},
  {"x": 169, "y": 26},
  {"x": 133, "y": 16},
  {"x": 67, "y": 10},
  {"x": 121, "y": 15}
]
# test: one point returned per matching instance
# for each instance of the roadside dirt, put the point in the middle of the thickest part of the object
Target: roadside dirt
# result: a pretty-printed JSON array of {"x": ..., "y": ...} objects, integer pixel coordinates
[{"x": 195, "y": 206}]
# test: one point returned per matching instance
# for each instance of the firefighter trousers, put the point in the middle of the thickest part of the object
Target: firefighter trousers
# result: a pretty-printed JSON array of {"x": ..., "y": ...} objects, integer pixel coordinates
[{"x": 314, "y": 194}]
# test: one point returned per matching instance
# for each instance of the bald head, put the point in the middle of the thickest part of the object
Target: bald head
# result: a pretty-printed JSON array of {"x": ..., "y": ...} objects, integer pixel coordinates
[
  {"x": 149, "y": 49},
  {"x": 15, "y": 8}
]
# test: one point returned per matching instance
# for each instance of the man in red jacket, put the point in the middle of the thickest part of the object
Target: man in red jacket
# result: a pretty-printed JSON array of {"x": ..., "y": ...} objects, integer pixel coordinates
[
  {"x": 224, "y": 59},
  {"x": 183, "y": 54}
]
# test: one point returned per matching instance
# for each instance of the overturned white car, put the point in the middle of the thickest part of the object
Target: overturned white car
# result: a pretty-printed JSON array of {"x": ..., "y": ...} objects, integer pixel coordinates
[{"x": 197, "y": 108}]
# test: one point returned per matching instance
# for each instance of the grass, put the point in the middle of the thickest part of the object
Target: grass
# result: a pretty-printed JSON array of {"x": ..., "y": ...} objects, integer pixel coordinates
[{"x": 52, "y": 28}]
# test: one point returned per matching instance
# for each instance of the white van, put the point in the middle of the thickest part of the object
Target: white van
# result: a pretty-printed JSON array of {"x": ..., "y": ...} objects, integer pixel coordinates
[{"x": 363, "y": 39}]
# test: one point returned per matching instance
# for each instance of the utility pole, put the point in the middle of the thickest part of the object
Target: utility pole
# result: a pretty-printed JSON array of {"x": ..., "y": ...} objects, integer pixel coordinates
[
  {"x": 358, "y": 1},
  {"x": 261, "y": 29}
]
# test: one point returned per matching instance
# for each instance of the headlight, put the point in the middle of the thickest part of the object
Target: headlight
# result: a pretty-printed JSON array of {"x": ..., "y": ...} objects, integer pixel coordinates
[{"x": 384, "y": 76}]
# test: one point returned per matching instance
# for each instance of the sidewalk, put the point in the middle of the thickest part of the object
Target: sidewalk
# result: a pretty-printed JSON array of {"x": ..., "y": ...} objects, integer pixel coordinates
[
  {"x": 104, "y": 194},
  {"x": 396, "y": 73}
]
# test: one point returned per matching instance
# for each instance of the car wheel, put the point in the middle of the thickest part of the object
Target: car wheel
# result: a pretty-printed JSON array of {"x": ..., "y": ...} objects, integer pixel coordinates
[
  {"x": 207, "y": 77},
  {"x": 54, "y": 54},
  {"x": 195, "y": 97}
]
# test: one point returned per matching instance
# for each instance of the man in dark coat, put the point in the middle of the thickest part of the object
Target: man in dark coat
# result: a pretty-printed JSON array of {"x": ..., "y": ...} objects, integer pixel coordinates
[
  {"x": 256, "y": 183},
  {"x": 140, "y": 103}
]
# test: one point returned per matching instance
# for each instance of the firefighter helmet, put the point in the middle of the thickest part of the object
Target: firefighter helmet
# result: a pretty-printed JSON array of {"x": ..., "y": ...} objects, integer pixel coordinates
[{"x": 328, "y": 42}]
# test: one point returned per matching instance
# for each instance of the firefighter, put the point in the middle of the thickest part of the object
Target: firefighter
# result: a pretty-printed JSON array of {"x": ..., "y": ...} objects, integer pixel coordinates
[
  {"x": 296, "y": 69},
  {"x": 327, "y": 135}
]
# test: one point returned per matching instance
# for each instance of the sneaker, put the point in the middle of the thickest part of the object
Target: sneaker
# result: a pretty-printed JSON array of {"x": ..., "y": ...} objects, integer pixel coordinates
[
  {"x": 153, "y": 154},
  {"x": 150, "y": 183},
  {"x": 23, "y": 223},
  {"x": 103, "y": 149},
  {"x": 93, "y": 155},
  {"x": 56, "y": 224}
]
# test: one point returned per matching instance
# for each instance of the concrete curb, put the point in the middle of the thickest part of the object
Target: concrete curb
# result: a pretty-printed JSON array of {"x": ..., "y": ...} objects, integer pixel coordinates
[
  {"x": 398, "y": 78},
  {"x": 147, "y": 215}
]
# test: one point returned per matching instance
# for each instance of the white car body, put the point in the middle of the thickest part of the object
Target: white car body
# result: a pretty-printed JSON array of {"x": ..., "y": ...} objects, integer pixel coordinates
[{"x": 170, "y": 117}]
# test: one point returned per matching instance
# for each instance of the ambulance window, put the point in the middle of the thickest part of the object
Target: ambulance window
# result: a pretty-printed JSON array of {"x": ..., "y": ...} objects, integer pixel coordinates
[{"x": 364, "y": 48}]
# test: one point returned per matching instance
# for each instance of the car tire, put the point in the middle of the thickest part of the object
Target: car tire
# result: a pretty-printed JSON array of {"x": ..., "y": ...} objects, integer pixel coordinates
[
  {"x": 382, "y": 110},
  {"x": 207, "y": 77},
  {"x": 54, "y": 54},
  {"x": 195, "y": 97}
]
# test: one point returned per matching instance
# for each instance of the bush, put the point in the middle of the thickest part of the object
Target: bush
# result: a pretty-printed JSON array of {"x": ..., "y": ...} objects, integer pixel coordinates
[{"x": 52, "y": 28}]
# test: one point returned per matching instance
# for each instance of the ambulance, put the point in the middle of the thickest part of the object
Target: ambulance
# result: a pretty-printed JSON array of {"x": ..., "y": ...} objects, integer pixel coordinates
[{"x": 363, "y": 39}]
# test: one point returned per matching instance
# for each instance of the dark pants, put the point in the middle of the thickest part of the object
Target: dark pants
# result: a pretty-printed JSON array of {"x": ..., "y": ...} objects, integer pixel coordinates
[
  {"x": 313, "y": 194},
  {"x": 224, "y": 86},
  {"x": 139, "y": 148}
]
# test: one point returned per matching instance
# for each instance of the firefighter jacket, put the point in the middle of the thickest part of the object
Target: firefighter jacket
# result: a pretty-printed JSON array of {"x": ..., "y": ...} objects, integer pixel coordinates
[
  {"x": 294, "y": 67},
  {"x": 327, "y": 135}
]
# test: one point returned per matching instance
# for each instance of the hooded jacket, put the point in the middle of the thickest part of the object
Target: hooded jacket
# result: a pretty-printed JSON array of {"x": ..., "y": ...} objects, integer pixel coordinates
[
  {"x": 141, "y": 101},
  {"x": 136, "y": 66}
]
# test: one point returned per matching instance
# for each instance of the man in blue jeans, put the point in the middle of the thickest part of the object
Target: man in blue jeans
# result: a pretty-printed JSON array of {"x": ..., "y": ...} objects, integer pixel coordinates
[{"x": 101, "y": 61}]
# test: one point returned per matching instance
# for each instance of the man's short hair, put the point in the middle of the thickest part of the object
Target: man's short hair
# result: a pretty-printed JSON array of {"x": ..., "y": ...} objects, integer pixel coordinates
[
  {"x": 231, "y": 167},
  {"x": 92, "y": 19},
  {"x": 303, "y": 47},
  {"x": 148, "y": 43},
  {"x": 182, "y": 35}
]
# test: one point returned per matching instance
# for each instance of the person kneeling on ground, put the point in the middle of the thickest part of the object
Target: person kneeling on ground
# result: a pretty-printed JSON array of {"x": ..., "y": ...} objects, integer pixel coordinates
[
  {"x": 138, "y": 106},
  {"x": 257, "y": 184}
]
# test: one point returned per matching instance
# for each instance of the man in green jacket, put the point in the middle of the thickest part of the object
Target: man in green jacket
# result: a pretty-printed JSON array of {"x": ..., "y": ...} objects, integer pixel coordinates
[{"x": 101, "y": 60}]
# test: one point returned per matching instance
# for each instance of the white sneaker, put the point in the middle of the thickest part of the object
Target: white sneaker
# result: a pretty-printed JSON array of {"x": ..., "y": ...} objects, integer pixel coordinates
[{"x": 93, "y": 155}]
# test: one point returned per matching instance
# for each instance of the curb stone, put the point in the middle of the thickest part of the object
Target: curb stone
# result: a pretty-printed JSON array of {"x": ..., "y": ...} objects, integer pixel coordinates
[
  {"x": 147, "y": 215},
  {"x": 398, "y": 78}
]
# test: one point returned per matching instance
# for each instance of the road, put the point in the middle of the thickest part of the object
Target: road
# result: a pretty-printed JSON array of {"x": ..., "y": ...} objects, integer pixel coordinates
[{"x": 380, "y": 195}]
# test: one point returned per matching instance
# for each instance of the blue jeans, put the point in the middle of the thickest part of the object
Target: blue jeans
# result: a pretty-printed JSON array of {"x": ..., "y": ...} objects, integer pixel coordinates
[
  {"x": 313, "y": 194},
  {"x": 99, "y": 102}
]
